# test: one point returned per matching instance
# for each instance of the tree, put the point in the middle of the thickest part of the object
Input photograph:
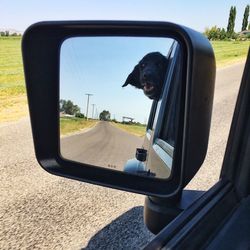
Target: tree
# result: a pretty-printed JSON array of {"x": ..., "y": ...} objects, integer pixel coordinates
[
  {"x": 231, "y": 20},
  {"x": 68, "y": 107},
  {"x": 79, "y": 115},
  {"x": 223, "y": 34},
  {"x": 105, "y": 115},
  {"x": 245, "y": 18},
  {"x": 215, "y": 33}
]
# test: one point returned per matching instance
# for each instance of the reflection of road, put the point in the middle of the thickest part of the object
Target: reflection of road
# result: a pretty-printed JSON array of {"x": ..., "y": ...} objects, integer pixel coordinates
[{"x": 104, "y": 145}]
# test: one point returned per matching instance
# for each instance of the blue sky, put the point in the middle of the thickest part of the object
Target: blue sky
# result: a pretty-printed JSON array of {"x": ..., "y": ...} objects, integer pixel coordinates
[
  {"x": 19, "y": 14},
  {"x": 100, "y": 66}
]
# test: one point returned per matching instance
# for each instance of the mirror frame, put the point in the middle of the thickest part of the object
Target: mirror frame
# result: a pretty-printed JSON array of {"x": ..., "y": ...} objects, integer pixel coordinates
[{"x": 41, "y": 57}]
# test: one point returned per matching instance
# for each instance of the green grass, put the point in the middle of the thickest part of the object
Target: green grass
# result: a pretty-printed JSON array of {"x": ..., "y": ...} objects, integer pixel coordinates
[
  {"x": 138, "y": 130},
  {"x": 70, "y": 125},
  {"x": 13, "y": 103},
  {"x": 230, "y": 52}
]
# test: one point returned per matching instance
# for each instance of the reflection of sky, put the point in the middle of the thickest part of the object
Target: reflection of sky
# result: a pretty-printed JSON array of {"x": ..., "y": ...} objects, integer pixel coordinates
[{"x": 100, "y": 66}]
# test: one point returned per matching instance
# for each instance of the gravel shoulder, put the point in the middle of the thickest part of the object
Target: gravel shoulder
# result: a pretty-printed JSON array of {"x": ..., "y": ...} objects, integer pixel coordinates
[{"x": 41, "y": 211}]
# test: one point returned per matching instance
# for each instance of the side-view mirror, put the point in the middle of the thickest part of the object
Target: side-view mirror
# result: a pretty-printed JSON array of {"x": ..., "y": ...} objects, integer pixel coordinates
[{"x": 121, "y": 104}]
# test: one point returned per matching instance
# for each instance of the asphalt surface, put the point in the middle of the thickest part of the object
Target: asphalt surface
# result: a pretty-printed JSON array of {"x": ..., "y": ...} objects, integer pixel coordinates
[
  {"x": 104, "y": 145},
  {"x": 41, "y": 211},
  {"x": 226, "y": 90}
]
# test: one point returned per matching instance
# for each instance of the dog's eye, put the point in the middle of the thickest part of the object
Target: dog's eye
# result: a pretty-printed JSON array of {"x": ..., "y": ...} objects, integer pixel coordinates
[{"x": 143, "y": 65}]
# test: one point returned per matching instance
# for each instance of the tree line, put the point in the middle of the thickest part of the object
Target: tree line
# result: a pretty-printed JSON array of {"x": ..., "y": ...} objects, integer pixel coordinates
[
  {"x": 7, "y": 33},
  {"x": 69, "y": 108},
  {"x": 216, "y": 33}
]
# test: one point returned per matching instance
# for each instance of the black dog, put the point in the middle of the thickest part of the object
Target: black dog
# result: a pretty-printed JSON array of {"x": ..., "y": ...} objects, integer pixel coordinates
[{"x": 149, "y": 75}]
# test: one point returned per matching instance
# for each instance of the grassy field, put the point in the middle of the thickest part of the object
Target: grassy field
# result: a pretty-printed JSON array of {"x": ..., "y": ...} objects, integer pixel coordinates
[
  {"x": 137, "y": 130},
  {"x": 70, "y": 125},
  {"x": 229, "y": 52},
  {"x": 13, "y": 102}
]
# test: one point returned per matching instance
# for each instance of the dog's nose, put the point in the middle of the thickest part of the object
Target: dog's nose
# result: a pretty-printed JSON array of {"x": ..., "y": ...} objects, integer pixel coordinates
[{"x": 146, "y": 75}]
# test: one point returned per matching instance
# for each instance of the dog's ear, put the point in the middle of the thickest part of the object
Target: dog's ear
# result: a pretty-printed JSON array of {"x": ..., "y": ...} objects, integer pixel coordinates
[{"x": 134, "y": 78}]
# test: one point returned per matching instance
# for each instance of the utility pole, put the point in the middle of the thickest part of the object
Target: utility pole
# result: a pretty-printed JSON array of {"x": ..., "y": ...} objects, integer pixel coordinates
[
  {"x": 88, "y": 105},
  {"x": 96, "y": 113},
  {"x": 93, "y": 107}
]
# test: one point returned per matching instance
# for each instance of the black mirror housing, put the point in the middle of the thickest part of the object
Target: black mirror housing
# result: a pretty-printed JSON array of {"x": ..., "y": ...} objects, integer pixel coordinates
[{"x": 41, "y": 52}]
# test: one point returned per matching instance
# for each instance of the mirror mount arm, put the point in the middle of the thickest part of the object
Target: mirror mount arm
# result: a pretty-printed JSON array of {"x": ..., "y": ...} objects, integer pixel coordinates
[{"x": 159, "y": 212}]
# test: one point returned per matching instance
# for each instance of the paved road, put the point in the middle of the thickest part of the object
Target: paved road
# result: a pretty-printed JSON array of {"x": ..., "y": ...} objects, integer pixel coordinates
[
  {"x": 41, "y": 211},
  {"x": 104, "y": 145},
  {"x": 226, "y": 90}
]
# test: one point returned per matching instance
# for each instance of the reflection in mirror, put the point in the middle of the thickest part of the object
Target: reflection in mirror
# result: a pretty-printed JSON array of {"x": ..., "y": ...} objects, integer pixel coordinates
[{"x": 110, "y": 98}]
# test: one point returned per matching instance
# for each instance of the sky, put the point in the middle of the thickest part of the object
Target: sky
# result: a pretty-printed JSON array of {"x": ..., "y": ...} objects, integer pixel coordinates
[
  {"x": 19, "y": 14},
  {"x": 100, "y": 66}
]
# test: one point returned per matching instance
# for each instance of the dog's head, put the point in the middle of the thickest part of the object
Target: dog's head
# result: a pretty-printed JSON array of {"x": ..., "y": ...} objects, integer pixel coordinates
[{"x": 149, "y": 75}]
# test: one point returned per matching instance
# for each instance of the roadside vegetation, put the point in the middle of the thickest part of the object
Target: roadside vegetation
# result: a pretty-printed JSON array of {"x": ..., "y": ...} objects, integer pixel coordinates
[
  {"x": 13, "y": 101},
  {"x": 230, "y": 52},
  {"x": 69, "y": 125},
  {"x": 230, "y": 46},
  {"x": 135, "y": 129},
  {"x": 71, "y": 120}
]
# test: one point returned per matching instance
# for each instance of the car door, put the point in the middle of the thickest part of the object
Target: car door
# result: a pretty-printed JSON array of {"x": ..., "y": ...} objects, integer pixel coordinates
[
  {"x": 159, "y": 141},
  {"x": 220, "y": 219}
]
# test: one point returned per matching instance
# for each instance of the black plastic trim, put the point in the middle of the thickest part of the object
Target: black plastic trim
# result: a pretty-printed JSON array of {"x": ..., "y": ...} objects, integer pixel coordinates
[
  {"x": 176, "y": 231},
  {"x": 41, "y": 52},
  {"x": 236, "y": 161}
]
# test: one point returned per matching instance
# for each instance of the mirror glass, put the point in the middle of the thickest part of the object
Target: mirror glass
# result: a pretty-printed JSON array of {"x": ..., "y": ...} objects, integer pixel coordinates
[{"x": 113, "y": 96}]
